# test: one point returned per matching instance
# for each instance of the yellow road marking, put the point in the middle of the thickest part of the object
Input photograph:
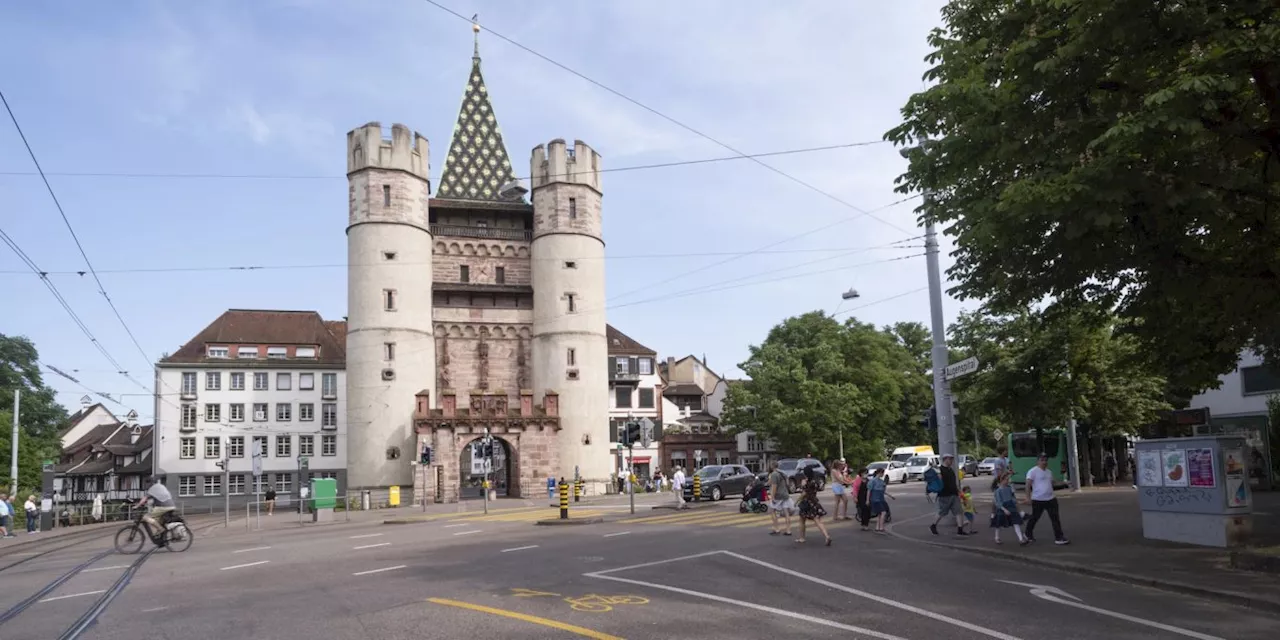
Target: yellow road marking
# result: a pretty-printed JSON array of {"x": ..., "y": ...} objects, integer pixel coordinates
[
  {"x": 521, "y": 592},
  {"x": 554, "y": 624}
]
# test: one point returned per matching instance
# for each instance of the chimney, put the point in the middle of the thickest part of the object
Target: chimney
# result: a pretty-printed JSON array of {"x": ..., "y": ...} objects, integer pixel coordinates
[
  {"x": 671, "y": 367},
  {"x": 526, "y": 403},
  {"x": 422, "y": 404},
  {"x": 449, "y": 403},
  {"x": 551, "y": 403}
]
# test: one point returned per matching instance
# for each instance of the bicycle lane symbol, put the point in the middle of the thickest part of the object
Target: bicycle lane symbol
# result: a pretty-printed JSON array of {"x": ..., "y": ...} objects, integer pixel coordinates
[{"x": 594, "y": 603}]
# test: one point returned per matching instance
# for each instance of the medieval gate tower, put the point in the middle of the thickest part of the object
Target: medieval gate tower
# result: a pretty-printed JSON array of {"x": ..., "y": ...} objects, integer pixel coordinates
[{"x": 472, "y": 310}]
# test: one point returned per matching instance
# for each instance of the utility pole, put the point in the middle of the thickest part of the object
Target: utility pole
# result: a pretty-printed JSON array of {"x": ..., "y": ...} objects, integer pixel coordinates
[
  {"x": 1073, "y": 455},
  {"x": 941, "y": 387},
  {"x": 842, "y": 443},
  {"x": 13, "y": 444},
  {"x": 226, "y": 489}
]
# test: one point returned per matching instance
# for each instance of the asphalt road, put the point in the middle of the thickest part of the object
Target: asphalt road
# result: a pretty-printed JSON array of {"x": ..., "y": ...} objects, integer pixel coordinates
[{"x": 706, "y": 573}]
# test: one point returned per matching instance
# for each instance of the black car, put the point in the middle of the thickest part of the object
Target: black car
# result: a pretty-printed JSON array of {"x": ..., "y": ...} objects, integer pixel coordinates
[
  {"x": 720, "y": 480},
  {"x": 793, "y": 469}
]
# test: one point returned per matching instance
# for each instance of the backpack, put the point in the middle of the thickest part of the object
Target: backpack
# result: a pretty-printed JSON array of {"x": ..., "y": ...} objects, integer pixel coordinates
[{"x": 932, "y": 481}]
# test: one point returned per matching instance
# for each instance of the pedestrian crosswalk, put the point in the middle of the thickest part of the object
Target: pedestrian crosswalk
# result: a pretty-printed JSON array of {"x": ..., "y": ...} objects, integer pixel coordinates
[
  {"x": 509, "y": 515},
  {"x": 712, "y": 518}
]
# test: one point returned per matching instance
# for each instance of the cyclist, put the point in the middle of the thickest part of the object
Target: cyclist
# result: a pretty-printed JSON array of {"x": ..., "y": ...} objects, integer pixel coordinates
[{"x": 162, "y": 506}]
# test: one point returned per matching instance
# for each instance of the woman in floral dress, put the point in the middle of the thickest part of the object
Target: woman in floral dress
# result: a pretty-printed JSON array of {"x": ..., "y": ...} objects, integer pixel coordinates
[{"x": 810, "y": 508}]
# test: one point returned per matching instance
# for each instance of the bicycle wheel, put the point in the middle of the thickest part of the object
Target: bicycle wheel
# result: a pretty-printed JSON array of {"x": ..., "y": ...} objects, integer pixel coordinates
[
  {"x": 130, "y": 539},
  {"x": 179, "y": 537}
]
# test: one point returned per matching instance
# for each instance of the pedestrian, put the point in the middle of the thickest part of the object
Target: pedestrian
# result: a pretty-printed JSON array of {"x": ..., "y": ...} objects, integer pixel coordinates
[
  {"x": 779, "y": 500},
  {"x": 677, "y": 486},
  {"x": 877, "y": 491},
  {"x": 966, "y": 503},
  {"x": 6, "y": 517},
  {"x": 1040, "y": 490},
  {"x": 810, "y": 508},
  {"x": 1109, "y": 467},
  {"x": 33, "y": 514},
  {"x": 861, "y": 504},
  {"x": 840, "y": 485},
  {"x": 1007, "y": 514},
  {"x": 271, "y": 501},
  {"x": 949, "y": 497},
  {"x": 1000, "y": 468}
]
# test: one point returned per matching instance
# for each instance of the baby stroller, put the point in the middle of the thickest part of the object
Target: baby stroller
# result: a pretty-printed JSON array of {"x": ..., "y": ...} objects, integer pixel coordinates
[{"x": 756, "y": 499}]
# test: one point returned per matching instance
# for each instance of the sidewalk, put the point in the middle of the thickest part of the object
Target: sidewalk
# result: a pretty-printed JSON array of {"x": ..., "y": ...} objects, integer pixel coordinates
[{"x": 1105, "y": 529}]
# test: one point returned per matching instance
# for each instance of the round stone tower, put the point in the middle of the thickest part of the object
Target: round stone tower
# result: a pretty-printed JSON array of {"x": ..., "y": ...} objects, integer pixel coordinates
[
  {"x": 391, "y": 352},
  {"x": 570, "y": 352}
]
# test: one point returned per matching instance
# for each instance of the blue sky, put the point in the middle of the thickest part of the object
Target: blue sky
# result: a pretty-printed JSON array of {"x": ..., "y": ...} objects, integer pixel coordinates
[{"x": 241, "y": 87}]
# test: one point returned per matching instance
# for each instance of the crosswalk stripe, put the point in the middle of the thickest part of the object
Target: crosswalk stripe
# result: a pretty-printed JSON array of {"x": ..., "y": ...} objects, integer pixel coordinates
[
  {"x": 529, "y": 516},
  {"x": 683, "y": 517},
  {"x": 719, "y": 519}
]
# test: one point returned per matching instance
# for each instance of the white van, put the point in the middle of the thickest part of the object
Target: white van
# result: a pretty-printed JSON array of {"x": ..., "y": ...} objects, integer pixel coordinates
[
  {"x": 902, "y": 454},
  {"x": 917, "y": 465}
]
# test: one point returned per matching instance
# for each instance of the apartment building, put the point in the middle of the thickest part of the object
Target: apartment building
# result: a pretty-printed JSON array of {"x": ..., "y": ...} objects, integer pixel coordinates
[
  {"x": 634, "y": 391},
  {"x": 264, "y": 382}
]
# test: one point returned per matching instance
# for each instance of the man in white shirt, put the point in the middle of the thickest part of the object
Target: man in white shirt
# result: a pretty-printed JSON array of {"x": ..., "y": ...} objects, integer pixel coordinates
[
  {"x": 677, "y": 483},
  {"x": 1040, "y": 491}
]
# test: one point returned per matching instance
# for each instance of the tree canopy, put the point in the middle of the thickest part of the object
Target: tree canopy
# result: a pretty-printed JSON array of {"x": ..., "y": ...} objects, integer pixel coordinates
[
  {"x": 1119, "y": 152},
  {"x": 40, "y": 416}
]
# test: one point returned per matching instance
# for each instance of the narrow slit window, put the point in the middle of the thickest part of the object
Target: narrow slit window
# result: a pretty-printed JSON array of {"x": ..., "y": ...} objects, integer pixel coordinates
[
  {"x": 388, "y": 351},
  {"x": 571, "y": 357},
  {"x": 464, "y": 273},
  {"x": 573, "y": 208},
  {"x": 570, "y": 264},
  {"x": 573, "y": 302},
  {"x": 389, "y": 299},
  {"x": 386, "y": 195},
  {"x": 500, "y": 275}
]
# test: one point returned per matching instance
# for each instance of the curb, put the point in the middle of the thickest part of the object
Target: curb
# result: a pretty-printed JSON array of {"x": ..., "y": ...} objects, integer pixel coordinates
[
  {"x": 1256, "y": 562},
  {"x": 568, "y": 521}
]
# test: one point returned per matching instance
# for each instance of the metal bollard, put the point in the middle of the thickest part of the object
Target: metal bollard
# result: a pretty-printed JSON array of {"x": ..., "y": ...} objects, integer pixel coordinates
[
  {"x": 577, "y": 490},
  {"x": 697, "y": 487},
  {"x": 564, "y": 499}
]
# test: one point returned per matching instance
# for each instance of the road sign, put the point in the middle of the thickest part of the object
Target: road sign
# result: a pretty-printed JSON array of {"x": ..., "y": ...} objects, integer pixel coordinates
[
  {"x": 962, "y": 368},
  {"x": 998, "y": 434},
  {"x": 646, "y": 432},
  {"x": 257, "y": 461}
]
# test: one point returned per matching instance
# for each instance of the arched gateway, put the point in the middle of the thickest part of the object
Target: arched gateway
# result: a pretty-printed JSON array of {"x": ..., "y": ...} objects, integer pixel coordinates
[{"x": 527, "y": 436}]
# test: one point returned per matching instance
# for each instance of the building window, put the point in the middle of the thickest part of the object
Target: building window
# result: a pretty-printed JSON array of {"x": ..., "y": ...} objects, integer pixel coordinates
[
  {"x": 386, "y": 195},
  {"x": 500, "y": 275},
  {"x": 236, "y": 413},
  {"x": 330, "y": 385},
  {"x": 573, "y": 208},
  {"x": 482, "y": 224},
  {"x": 1259, "y": 379},
  {"x": 306, "y": 446},
  {"x": 328, "y": 445},
  {"x": 189, "y": 383},
  {"x": 284, "y": 381},
  {"x": 259, "y": 412},
  {"x": 187, "y": 448},
  {"x": 237, "y": 381},
  {"x": 235, "y": 447},
  {"x": 388, "y": 299},
  {"x": 212, "y": 447},
  {"x": 572, "y": 299},
  {"x": 464, "y": 273},
  {"x": 330, "y": 417},
  {"x": 186, "y": 486},
  {"x": 571, "y": 357},
  {"x": 213, "y": 485},
  {"x": 219, "y": 352},
  {"x": 645, "y": 366},
  {"x": 260, "y": 381},
  {"x": 188, "y": 416},
  {"x": 306, "y": 381},
  {"x": 622, "y": 365},
  {"x": 212, "y": 412},
  {"x": 284, "y": 412},
  {"x": 235, "y": 485},
  {"x": 213, "y": 381},
  {"x": 306, "y": 412},
  {"x": 304, "y": 352},
  {"x": 388, "y": 351},
  {"x": 284, "y": 446},
  {"x": 247, "y": 353},
  {"x": 284, "y": 482},
  {"x": 260, "y": 443},
  {"x": 388, "y": 255},
  {"x": 646, "y": 399},
  {"x": 570, "y": 264},
  {"x": 623, "y": 397},
  {"x": 277, "y": 353}
]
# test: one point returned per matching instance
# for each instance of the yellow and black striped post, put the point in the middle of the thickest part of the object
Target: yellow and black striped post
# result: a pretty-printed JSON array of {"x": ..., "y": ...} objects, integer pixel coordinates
[
  {"x": 577, "y": 489},
  {"x": 564, "y": 499},
  {"x": 697, "y": 487}
]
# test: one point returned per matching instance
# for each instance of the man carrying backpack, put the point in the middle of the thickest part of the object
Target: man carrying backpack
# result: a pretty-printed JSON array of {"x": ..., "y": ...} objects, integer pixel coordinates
[{"x": 949, "y": 497}]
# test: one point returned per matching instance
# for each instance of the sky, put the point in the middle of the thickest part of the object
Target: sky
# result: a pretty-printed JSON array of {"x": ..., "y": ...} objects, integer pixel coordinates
[{"x": 262, "y": 93}]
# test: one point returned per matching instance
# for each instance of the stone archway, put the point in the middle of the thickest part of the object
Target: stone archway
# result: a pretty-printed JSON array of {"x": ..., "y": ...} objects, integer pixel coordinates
[{"x": 502, "y": 474}]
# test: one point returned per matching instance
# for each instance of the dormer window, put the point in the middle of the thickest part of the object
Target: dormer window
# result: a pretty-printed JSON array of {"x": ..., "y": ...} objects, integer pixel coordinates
[
  {"x": 277, "y": 353},
  {"x": 248, "y": 353},
  {"x": 219, "y": 352},
  {"x": 304, "y": 352}
]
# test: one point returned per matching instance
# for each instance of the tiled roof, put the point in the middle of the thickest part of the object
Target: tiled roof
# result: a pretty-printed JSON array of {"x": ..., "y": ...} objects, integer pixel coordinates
[
  {"x": 248, "y": 326},
  {"x": 624, "y": 345},
  {"x": 77, "y": 417},
  {"x": 95, "y": 436},
  {"x": 477, "y": 165}
]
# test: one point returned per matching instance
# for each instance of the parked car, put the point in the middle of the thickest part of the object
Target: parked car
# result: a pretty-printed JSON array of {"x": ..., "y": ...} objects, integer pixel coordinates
[
  {"x": 916, "y": 466},
  {"x": 987, "y": 466},
  {"x": 894, "y": 470},
  {"x": 968, "y": 464},
  {"x": 719, "y": 481},
  {"x": 793, "y": 469}
]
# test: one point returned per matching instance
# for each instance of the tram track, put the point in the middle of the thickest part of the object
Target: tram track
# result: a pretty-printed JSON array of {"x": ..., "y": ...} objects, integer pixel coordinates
[
  {"x": 70, "y": 540},
  {"x": 90, "y": 615}
]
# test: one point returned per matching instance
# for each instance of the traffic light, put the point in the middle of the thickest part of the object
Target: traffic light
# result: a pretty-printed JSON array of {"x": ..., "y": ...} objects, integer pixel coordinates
[
  {"x": 930, "y": 419},
  {"x": 426, "y": 455},
  {"x": 632, "y": 435},
  {"x": 488, "y": 448}
]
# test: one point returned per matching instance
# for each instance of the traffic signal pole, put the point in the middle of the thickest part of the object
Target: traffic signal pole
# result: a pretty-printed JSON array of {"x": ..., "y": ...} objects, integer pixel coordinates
[{"x": 941, "y": 387}]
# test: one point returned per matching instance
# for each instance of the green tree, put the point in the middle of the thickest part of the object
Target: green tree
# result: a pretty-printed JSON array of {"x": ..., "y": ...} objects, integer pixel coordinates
[
  {"x": 40, "y": 416},
  {"x": 813, "y": 378},
  {"x": 916, "y": 340},
  {"x": 1122, "y": 152}
]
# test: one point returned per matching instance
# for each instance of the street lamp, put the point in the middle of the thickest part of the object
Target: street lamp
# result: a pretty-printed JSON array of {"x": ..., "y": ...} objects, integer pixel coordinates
[{"x": 850, "y": 294}]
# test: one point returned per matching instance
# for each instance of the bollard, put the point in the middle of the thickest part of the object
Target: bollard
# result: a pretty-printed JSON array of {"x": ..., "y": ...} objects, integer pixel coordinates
[
  {"x": 577, "y": 490},
  {"x": 697, "y": 487},
  {"x": 564, "y": 499}
]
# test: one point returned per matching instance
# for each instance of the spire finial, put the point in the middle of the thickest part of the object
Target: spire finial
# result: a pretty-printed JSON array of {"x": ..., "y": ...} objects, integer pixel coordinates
[{"x": 475, "y": 28}]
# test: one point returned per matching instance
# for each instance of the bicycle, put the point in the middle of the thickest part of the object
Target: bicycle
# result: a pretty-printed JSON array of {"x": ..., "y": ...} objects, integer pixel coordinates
[{"x": 174, "y": 533}]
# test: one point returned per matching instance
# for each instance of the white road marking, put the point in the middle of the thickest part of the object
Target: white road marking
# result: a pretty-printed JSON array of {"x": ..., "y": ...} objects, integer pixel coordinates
[
  {"x": 154, "y": 609},
  {"x": 119, "y": 566},
  {"x": 366, "y": 535},
  {"x": 450, "y": 526},
  {"x": 241, "y": 566},
  {"x": 532, "y": 546},
  {"x": 463, "y": 533},
  {"x": 74, "y": 595},
  {"x": 1048, "y": 593},
  {"x": 365, "y": 573},
  {"x": 253, "y": 549},
  {"x": 370, "y": 546},
  {"x": 620, "y": 533}
]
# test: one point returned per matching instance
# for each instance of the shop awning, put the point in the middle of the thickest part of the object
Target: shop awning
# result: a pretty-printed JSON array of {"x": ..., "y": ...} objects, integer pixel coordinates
[{"x": 640, "y": 460}]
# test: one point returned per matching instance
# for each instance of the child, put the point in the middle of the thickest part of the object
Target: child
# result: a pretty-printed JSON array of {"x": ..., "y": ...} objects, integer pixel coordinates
[
  {"x": 966, "y": 502},
  {"x": 1007, "y": 510},
  {"x": 878, "y": 491}
]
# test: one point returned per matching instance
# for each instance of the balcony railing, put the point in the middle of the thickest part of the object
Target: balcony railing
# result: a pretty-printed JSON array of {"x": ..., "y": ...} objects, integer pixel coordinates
[{"x": 488, "y": 233}]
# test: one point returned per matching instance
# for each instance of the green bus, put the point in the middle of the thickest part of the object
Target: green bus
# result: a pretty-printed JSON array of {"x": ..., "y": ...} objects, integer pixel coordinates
[{"x": 1025, "y": 449}]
